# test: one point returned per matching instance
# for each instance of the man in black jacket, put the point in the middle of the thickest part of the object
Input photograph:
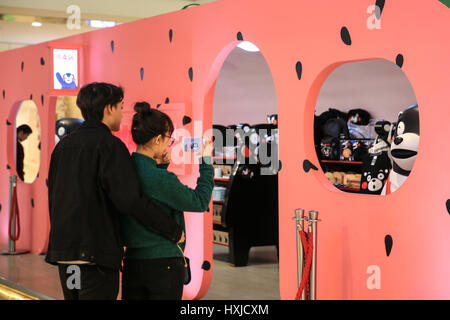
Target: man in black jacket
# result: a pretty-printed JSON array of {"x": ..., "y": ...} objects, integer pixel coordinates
[
  {"x": 91, "y": 181},
  {"x": 23, "y": 132}
]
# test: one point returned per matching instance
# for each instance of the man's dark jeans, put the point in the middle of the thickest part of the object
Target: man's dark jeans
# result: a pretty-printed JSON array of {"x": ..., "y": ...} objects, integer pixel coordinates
[{"x": 95, "y": 282}]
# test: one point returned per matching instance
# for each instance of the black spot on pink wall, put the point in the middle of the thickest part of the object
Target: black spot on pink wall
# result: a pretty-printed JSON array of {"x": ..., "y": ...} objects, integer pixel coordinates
[
  {"x": 112, "y": 46},
  {"x": 167, "y": 100},
  {"x": 191, "y": 74},
  {"x": 239, "y": 36},
  {"x": 42, "y": 99},
  {"x": 379, "y": 4},
  {"x": 8, "y": 123},
  {"x": 206, "y": 265},
  {"x": 32, "y": 202},
  {"x": 388, "y": 243},
  {"x": 22, "y": 65},
  {"x": 42, "y": 61},
  {"x": 447, "y": 204},
  {"x": 158, "y": 105},
  {"x": 186, "y": 120},
  {"x": 307, "y": 165},
  {"x": 345, "y": 36},
  {"x": 8, "y": 167},
  {"x": 399, "y": 60},
  {"x": 4, "y": 94},
  {"x": 170, "y": 35},
  {"x": 142, "y": 73},
  {"x": 280, "y": 165},
  {"x": 31, "y": 96},
  {"x": 299, "y": 69}
]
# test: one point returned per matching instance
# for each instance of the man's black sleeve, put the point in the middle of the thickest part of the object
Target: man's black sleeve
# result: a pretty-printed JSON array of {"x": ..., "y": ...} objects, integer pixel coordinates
[
  {"x": 50, "y": 180},
  {"x": 120, "y": 180}
]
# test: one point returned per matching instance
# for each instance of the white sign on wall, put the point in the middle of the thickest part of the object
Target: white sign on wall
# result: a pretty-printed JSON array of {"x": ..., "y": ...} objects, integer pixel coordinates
[{"x": 65, "y": 69}]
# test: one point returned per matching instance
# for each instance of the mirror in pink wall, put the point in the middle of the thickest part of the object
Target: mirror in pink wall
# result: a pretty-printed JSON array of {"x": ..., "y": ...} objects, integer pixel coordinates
[{"x": 28, "y": 141}]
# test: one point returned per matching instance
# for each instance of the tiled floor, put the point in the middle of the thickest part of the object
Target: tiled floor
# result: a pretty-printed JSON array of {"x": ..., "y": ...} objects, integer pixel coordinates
[{"x": 257, "y": 281}]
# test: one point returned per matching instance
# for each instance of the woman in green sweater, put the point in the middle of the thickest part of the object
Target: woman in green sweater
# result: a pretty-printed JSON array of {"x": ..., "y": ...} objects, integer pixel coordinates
[{"x": 154, "y": 266}]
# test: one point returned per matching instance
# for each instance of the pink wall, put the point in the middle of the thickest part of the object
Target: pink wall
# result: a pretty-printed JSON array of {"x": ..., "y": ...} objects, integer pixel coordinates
[{"x": 353, "y": 227}]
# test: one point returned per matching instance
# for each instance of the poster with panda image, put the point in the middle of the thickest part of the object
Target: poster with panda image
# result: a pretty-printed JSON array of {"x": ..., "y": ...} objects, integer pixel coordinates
[{"x": 65, "y": 69}]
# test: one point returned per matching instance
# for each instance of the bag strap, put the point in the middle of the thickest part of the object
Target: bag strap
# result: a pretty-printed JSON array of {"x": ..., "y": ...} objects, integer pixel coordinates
[{"x": 185, "y": 263}]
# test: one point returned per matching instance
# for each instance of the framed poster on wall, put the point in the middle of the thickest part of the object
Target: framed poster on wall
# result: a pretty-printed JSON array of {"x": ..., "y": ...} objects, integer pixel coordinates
[{"x": 66, "y": 69}]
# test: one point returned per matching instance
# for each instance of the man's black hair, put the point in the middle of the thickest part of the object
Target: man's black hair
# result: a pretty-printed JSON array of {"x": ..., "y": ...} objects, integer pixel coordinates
[
  {"x": 94, "y": 97},
  {"x": 25, "y": 129}
]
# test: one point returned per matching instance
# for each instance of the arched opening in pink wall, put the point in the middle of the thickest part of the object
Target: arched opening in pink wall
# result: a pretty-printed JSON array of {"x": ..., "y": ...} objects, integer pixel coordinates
[
  {"x": 363, "y": 99},
  {"x": 241, "y": 93}
]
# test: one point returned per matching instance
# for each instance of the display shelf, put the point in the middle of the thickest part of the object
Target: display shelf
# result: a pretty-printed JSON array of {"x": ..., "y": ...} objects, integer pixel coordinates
[
  {"x": 218, "y": 202},
  {"x": 348, "y": 189},
  {"x": 341, "y": 161},
  {"x": 222, "y": 179},
  {"x": 224, "y": 158}
]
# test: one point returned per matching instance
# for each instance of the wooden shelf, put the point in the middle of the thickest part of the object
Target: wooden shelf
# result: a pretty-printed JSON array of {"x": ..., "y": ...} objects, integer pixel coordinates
[
  {"x": 224, "y": 158},
  {"x": 340, "y": 161},
  {"x": 348, "y": 189},
  {"x": 225, "y": 245}
]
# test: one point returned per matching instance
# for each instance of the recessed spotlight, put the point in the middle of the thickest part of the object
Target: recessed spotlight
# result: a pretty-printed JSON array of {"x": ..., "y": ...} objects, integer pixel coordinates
[
  {"x": 100, "y": 23},
  {"x": 36, "y": 24},
  {"x": 248, "y": 46}
]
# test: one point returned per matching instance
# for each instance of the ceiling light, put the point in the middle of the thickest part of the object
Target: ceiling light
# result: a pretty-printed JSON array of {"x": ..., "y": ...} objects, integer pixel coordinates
[
  {"x": 248, "y": 46},
  {"x": 100, "y": 23},
  {"x": 36, "y": 24}
]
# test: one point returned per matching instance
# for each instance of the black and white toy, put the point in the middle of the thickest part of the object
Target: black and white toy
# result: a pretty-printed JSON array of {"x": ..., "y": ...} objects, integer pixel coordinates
[
  {"x": 374, "y": 184},
  {"x": 404, "y": 148},
  {"x": 66, "y": 126}
]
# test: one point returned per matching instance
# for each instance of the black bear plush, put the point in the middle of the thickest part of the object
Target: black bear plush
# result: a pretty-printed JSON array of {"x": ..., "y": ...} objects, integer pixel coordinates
[
  {"x": 358, "y": 116},
  {"x": 375, "y": 172}
]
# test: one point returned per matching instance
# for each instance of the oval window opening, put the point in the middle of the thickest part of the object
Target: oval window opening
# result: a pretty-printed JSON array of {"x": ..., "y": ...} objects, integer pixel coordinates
[
  {"x": 28, "y": 141},
  {"x": 366, "y": 127}
]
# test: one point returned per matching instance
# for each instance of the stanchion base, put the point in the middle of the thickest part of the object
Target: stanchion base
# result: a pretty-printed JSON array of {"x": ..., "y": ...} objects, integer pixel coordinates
[{"x": 17, "y": 252}]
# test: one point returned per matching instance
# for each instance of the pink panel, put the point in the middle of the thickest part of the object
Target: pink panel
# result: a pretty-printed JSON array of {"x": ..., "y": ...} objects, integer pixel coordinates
[{"x": 351, "y": 238}]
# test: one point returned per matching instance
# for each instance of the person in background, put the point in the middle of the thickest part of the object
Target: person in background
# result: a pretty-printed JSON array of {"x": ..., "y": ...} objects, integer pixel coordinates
[
  {"x": 23, "y": 132},
  {"x": 91, "y": 182},
  {"x": 154, "y": 266}
]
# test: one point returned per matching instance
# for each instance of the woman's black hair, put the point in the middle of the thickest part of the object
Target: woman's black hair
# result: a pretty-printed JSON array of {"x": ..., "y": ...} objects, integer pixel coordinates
[
  {"x": 94, "y": 97},
  {"x": 149, "y": 123}
]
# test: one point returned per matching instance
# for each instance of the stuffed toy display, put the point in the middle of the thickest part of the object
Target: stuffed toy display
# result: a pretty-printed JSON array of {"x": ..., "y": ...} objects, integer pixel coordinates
[
  {"x": 358, "y": 116},
  {"x": 404, "y": 148}
]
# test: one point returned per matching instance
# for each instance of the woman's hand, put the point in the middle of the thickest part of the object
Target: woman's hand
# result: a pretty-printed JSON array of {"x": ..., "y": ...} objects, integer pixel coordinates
[
  {"x": 207, "y": 149},
  {"x": 165, "y": 157}
]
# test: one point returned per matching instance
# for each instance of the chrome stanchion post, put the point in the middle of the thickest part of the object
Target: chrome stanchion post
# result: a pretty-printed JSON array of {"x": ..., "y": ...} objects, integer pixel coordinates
[
  {"x": 11, "y": 243},
  {"x": 312, "y": 229},
  {"x": 300, "y": 218},
  {"x": 12, "y": 185}
]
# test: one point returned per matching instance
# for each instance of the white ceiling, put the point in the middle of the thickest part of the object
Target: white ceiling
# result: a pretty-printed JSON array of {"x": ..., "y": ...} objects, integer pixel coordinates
[{"x": 15, "y": 34}]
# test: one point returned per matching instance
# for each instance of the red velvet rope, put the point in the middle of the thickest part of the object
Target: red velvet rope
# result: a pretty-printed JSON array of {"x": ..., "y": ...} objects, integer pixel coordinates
[
  {"x": 308, "y": 252},
  {"x": 14, "y": 206}
]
